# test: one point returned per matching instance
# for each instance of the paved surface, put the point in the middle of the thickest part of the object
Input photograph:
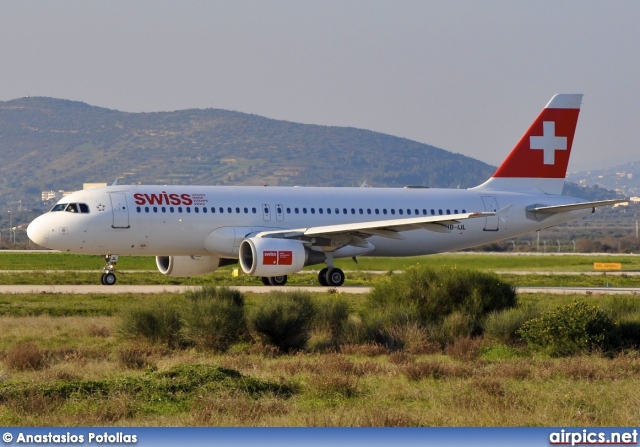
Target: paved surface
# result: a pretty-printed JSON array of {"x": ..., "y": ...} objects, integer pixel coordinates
[{"x": 121, "y": 289}]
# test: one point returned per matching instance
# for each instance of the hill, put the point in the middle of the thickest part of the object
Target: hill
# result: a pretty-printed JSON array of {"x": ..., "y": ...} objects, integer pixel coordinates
[
  {"x": 58, "y": 144},
  {"x": 624, "y": 178}
]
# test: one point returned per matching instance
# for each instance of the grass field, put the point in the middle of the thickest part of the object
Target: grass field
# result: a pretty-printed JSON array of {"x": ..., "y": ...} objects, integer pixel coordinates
[
  {"x": 481, "y": 261},
  {"x": 61, "y": 268},
  {"x": 64, "y": 362}
]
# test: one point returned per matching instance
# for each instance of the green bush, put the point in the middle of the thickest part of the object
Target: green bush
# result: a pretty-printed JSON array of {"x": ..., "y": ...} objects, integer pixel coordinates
[
  {"x": 158, "y": 324},
  {"x": 568, "y": 330},
  {"x": 332, "y": 317},
  {"x": 431, "y": 294},
  {"x": 213, "y": 317},
  {"x": 284, "y": 319},
  {"x": 503, "y": 326}
]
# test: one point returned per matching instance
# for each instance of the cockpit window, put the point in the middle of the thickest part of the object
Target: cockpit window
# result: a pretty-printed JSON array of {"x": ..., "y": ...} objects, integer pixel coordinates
[
  {"x": 72, "y": 208},
  {"x": 59, "y": 207}
]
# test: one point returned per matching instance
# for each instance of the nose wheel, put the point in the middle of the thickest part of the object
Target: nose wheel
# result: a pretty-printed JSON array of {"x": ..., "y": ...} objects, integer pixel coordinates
[{"x": 108, "y": 277}]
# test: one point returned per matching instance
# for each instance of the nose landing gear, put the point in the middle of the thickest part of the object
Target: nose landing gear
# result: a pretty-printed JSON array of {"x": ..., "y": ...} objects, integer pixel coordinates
[{"x": 108, "y": 277}]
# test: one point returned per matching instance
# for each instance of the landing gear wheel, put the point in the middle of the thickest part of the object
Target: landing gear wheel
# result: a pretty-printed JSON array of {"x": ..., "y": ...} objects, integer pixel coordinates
[
  {"x": 322, "y": 277},
  {"x": 278, "y": 280},
  {"x": 265, "y": 281},
  {"x": 334, "y": 277},
  {"x": 108, "y": 279}
]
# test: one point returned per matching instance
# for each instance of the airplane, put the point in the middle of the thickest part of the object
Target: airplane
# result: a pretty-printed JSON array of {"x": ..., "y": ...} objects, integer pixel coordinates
[{"x": 274, "y": 232}]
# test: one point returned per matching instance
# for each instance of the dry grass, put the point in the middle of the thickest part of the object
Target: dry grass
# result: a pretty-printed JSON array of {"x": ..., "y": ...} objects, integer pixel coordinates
[{"x": 362, "y": 385}]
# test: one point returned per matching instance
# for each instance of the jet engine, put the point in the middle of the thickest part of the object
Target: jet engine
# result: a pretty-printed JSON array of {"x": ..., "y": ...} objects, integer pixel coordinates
[
  {"x": 190, "y": 265},
  {"x": 270, "y": 257}
]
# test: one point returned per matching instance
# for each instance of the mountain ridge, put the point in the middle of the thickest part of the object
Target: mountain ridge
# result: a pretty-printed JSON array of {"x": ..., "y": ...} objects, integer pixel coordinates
[{"x": 50, "y": 143}]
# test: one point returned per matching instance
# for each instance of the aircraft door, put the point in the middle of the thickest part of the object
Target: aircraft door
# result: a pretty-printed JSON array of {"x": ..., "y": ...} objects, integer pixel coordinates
[
  {"x": 490, "y": 204},
  {"x": 279, "y": 212},
  {"x": 266, "y": 213},
  {"x": 120, "y": 210}
]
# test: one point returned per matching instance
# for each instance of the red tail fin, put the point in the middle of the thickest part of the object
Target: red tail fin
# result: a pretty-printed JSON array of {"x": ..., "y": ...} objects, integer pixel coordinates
[{"x": 539, "y": 161}]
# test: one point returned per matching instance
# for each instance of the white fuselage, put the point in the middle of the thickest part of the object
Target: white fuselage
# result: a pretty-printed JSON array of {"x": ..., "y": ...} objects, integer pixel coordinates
[{"x": 213, "y": 220}]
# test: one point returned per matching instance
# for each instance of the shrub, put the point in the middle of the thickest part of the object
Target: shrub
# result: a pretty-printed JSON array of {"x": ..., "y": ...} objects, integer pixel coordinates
[
  {"x": 503, "y": 326},
  {"x": 159, "y": 324},
  {"x": 283, "y": 319},
  {"x": 431, "y": 294},
  {"x": 569, "y": 330},
  {"x": 332, "y": 316},
  {"x": 26, "y": 356},
  {"x": 214, "y": 318}
]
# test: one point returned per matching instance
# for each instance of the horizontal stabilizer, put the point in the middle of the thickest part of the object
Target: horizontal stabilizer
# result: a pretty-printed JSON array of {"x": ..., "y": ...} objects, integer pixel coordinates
[{"x": 574, "y": 206}]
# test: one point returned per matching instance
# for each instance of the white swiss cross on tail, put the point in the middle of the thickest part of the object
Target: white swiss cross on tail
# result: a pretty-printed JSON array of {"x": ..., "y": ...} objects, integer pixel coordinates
[
  {"x": 538, "y": 162},
  {"x": 548, "y": 142}
]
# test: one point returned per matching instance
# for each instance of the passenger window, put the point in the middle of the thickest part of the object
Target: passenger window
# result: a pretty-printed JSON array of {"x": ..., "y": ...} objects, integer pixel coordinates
[
  {"x": 320, "y": 210},
  {"x": 253, "y": 210},
  {"x": 138, "y": 209},
  {"x": 213, "y": 210},
  {"x": 313, "y": 210},
  {"x": 464, "y": 211},
  {"x": 155, "y": 209},
  {"x": 246, "y": 210},
  {"x": 288, "y": 210},
  {"x": 221, "y": 210},
  {"x": 353, "y": 211},
  {"x": 384, "y": 211},
  {"x": 448, "y": 212},
  {"x": 304, "y": 211},
  {"x": 400, "y": 211},
  {"x": 229, "y": 210},
  {"x": 238, "y": 210},
  {"x": 196, "y": 209},
  {"x": 204, "y": 209},
  {"x": 164, "y": 209},
  {"x": 377, "y": 211},
  {"x": 188, "y": 209},
  {"x": 433, "y": 212},
  {"x": 337, "y": 210},
  {"x": 368, "y": 210},
  {"x": 455, "y": 211},
  {"x": 179, "y": 209},
  {"x": 171, "y": 209},
  {"x": 146, "y": 209},
  {"x": 296, "y": 210},
  {"x": 393, "y": 211},
  {"x": 344, "y": 211},
  {"x": 328, "y": 210},
  {"x": 360, "y": 211},
  {"x": 440, "y": 212}
]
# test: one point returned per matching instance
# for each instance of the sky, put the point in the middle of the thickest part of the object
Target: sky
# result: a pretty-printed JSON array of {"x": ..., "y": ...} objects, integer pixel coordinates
[{"x": 464, "y": 75}]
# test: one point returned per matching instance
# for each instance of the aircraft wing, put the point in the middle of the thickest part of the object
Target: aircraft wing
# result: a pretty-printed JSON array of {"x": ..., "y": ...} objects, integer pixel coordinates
[
  {"x": 384, "y": 228},
  {"x": 574, "y": 206}
]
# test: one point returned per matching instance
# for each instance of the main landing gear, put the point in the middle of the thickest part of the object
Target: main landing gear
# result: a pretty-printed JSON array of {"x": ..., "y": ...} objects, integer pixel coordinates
[
  {"x": 331, "y": 277},
  {"x": 108, "y": 278},
  {"x": 274, "y": 280}
]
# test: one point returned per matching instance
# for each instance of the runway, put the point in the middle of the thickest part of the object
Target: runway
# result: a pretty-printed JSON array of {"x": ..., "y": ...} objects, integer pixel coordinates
[{"x": 155, "y": 289}]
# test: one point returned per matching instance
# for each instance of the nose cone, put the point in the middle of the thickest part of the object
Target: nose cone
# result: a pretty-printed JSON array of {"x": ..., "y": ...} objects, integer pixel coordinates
[{"x": 38, "y": 231}]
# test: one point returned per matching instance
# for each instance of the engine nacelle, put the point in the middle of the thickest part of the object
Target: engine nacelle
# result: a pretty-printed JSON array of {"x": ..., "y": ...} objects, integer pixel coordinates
[
  {"x": 190, "y": 265},
  {"x": 275, "y": 257}
]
